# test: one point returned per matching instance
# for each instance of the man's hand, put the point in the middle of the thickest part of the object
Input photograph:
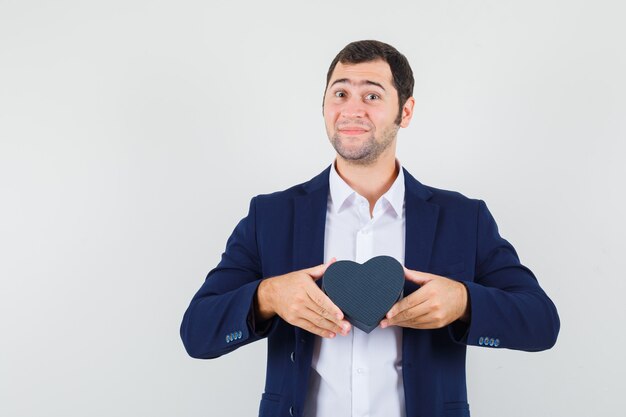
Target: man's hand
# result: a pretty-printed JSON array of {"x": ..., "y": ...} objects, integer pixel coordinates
[
  {"x": 438, "y": 302},
  {"x": 297, "y": 299}
]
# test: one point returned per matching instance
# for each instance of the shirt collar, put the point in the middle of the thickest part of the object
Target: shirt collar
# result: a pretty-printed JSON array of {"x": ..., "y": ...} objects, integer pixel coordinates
[
  {"x": 341, "y": 193},
  {"x": 395, "y": 193}
]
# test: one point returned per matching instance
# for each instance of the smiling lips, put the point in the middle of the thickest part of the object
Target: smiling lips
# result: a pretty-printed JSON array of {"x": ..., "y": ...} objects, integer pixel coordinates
[{"x": 353, "y": 130}]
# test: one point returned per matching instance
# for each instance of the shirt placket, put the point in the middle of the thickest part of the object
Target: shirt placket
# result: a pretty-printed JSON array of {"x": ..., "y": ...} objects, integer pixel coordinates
[{"x": 360, "y": 369}]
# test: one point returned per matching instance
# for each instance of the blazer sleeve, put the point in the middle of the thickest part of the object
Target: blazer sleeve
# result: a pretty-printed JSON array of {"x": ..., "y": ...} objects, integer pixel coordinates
[
  {"x": 508, "y": 307},
  {"x": 220, "y": 317}
]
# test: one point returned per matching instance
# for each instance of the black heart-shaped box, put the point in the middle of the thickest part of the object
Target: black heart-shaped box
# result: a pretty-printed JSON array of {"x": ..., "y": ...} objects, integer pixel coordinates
[{"x": 365, "y": 293}]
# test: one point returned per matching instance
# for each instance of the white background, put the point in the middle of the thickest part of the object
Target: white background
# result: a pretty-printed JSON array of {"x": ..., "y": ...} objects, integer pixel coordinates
[{"x": 134, "y": 133}]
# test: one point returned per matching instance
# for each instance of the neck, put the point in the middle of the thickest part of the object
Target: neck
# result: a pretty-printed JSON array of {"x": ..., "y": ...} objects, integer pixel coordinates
[{"x": 371, "y": 181}]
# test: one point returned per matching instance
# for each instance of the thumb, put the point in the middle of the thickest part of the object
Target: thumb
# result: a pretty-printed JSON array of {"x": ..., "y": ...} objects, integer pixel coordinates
[
  {"x": 420, "y": 278},
  {"x": 318, "y": 271}
]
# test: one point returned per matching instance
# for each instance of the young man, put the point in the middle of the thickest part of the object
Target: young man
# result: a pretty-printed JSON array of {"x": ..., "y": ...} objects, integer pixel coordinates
[{"x": 464, "y": 283}]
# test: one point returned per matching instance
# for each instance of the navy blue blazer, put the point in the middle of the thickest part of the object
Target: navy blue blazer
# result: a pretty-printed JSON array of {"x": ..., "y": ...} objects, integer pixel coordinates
[{"x": 446, "y": 234}]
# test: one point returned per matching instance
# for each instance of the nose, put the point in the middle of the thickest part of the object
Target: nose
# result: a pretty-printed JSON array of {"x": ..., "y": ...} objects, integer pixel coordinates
[{"x": 353, "y": 108}]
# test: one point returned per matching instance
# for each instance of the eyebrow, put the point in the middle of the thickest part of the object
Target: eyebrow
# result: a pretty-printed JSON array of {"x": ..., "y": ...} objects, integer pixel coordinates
[{"x": 364, "y": 82}]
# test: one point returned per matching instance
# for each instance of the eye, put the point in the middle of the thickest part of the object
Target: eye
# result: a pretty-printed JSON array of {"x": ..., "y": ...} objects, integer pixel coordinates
[
  {"x": 340, "y": 93},
  {"x": 372, "y": 96}
]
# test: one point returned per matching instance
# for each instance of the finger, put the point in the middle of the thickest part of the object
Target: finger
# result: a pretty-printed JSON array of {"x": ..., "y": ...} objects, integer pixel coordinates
[
  {"x": 423, "y": 323},
  {"x": 312, "y": 328},
  {"x": 410, "y": 301},
  {"x": 417, "y": 277},
  {"x": 415, "y": 315},
  {"x": 323, "y": 305},
  {"x": 320, "y": 321},
  {"x": 318, "y": 271}
]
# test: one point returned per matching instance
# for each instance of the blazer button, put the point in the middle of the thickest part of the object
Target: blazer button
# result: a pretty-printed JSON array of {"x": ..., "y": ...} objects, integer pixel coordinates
[
  {"x": 239, "y": 334},
  {"x": 291, "y": 413},
  {"x": 480, "y": 341},
  {"x": 227, "y": 339},
  {"x": 491, "y": 342},
  {"x": 496, "y": 342},
  {"x": 293, "y": 357}
]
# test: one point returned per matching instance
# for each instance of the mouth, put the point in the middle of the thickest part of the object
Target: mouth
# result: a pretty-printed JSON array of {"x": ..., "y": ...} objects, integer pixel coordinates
[{"x": 352, "y": 131}]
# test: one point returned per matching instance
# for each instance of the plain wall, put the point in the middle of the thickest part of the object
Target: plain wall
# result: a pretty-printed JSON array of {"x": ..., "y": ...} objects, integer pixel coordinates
[{"x": 134, "y": 133}]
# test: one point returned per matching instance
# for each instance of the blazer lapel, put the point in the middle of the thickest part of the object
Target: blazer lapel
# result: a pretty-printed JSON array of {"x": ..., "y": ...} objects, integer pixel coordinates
[
  {"x": 308, "y": 250},
  {"x": 309, "y": 224},
  {"x": 421, "y": 226}
]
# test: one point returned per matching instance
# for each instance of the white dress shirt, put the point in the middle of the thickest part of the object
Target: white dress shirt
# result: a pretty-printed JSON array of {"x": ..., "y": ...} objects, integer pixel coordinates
[{"x": 360, "y": 375}]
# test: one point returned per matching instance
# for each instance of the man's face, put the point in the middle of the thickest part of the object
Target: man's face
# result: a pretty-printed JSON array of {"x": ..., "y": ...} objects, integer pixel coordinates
[{"x": 360, "y": 110}]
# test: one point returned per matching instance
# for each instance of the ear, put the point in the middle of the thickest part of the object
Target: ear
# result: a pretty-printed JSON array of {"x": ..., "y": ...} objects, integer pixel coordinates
[{"x": 407, "y": 112}]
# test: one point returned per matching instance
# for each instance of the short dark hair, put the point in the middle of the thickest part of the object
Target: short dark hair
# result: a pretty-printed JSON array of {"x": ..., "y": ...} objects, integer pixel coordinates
[{"x": 371, "y": 50}]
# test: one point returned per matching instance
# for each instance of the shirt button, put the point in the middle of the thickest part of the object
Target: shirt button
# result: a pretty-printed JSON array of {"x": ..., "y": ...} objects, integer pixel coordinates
[{"x": 360, "y": 370}]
